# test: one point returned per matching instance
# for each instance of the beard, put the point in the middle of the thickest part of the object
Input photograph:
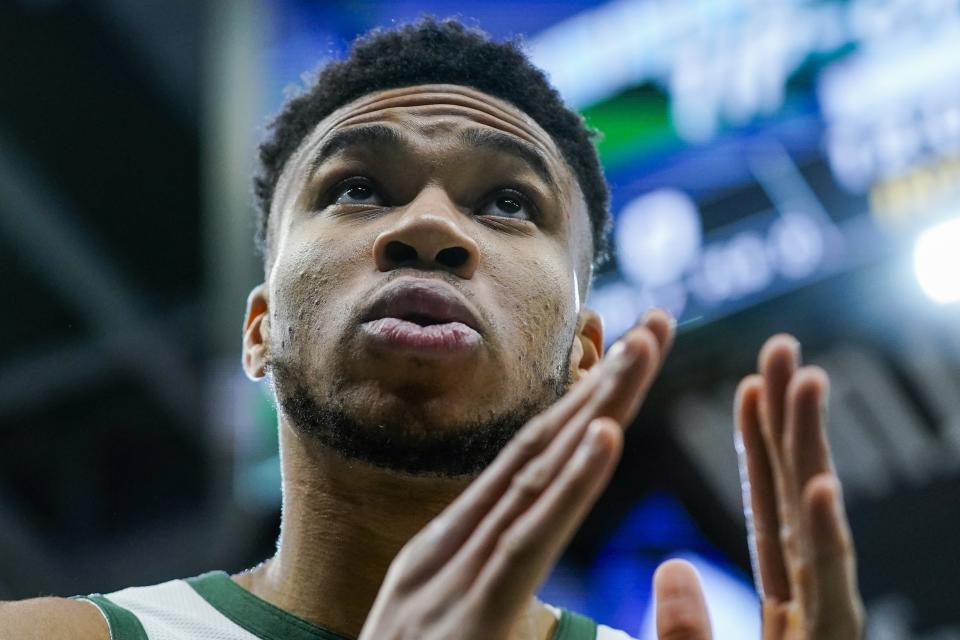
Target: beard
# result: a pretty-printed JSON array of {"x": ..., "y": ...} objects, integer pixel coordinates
[{"x": 404, "y": 444}]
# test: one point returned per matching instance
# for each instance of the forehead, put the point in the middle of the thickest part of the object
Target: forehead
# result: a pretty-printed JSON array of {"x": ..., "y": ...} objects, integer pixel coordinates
[
  {"x": 435, "y": 102},
  {"x": 433, "y": 111}
]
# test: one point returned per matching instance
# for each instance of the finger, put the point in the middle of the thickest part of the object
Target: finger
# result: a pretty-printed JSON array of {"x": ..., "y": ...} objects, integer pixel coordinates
[
  {"x": 663, "y": 326},
  {"x": 781, "y": 620},
  {"x": 759, "y": 494},
  {"x": 630, "y": 361},
  {"x": 837, "y": 611},
  {"x": 614, "y": 399},
  {"x": 808, "y": 453},
  {"x": 620, "y": 395},
  {"x": 777, "y": 362},
  {"x": 807, "y": 456},
  {"x": 525, "y": 487},
  {"x": 527, "y": 550},
  {"x": 779, "y": 359},
  {"x": 681, "y": 611},
  {"x": 626, "y": 365}
]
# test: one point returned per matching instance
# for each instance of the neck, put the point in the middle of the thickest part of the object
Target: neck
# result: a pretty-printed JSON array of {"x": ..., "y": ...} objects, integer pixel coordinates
[{"x": 342, "y": 524}]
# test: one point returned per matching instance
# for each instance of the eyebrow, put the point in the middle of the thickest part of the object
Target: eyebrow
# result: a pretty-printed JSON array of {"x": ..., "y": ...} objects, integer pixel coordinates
[
  {"x": 499, "y": 142},
  {"x": 379, "y": 135},
  {"x": 373, "y": 135}
]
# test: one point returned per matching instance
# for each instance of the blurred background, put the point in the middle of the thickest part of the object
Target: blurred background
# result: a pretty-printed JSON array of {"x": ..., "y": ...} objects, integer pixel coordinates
[{"x": 775, "y": 166}]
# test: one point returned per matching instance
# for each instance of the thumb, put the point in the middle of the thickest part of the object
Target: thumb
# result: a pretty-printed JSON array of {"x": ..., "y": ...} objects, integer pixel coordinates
[{"x": 681, "y": 610}]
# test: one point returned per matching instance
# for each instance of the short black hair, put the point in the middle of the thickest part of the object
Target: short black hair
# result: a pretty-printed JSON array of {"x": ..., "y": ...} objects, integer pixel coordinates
[{"x": 445, "y": 52}]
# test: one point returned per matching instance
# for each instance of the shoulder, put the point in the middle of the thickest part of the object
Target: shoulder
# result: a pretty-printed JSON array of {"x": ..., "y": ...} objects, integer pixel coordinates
[{"x": 52, "y": 619}]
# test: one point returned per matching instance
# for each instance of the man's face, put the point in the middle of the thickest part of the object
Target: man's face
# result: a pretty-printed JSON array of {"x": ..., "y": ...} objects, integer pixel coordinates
[{"x": 422, "y": 284}]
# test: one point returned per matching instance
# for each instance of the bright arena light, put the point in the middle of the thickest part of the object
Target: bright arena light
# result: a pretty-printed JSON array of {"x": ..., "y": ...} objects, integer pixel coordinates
[{"x": 936, "y": 261}]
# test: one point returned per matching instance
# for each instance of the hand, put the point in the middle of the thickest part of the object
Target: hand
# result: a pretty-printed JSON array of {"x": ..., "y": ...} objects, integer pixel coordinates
[
  {"x": 801, "y": 544},
  {"x": 800, "y": 541},
  {"x": 473, "y": 570}
]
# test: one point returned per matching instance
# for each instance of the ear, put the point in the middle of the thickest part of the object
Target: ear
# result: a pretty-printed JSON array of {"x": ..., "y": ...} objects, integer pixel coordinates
[
  {"x": 588, "y": 343},
  {"x": 256, "y": 330}
]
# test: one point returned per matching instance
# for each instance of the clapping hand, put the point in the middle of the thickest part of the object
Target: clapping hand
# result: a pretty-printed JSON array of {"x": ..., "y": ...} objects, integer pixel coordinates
[{"x": 800, "y": 542}]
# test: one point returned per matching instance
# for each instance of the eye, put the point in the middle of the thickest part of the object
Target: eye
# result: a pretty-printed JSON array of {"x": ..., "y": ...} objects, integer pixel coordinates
[
  {"x": 355, "y": 191},
  {"x": 509, "y": 203}
]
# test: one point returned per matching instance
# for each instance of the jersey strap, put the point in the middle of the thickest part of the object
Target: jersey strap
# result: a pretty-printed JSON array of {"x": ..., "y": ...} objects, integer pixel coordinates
[
  {"x": 123, "y": 624},
  {"x": 254, "y": 614},
  {"x": 573, "y": 626}
]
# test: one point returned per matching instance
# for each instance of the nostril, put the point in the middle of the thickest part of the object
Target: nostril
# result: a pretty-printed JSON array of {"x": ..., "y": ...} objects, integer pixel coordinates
[
  {"x": 398, "y": 252},
  {"x": 453, "y": 257}
]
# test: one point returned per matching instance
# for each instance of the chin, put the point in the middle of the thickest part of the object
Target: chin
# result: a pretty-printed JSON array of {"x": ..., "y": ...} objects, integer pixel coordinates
[
  {"x": 428, "y": 405},
  {"x": 415, "y": 380},
  {"x": 421, "y": 368}
]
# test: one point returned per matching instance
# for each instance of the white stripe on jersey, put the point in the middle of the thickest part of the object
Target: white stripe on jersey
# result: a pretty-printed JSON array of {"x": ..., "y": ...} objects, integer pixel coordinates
[
  {"x": 174, "y": 611},
  {"x": 606, "y": 633}
]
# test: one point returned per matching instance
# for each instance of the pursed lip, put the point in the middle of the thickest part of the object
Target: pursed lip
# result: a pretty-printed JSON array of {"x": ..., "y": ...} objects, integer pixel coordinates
[{"x": 424, "y": 302}]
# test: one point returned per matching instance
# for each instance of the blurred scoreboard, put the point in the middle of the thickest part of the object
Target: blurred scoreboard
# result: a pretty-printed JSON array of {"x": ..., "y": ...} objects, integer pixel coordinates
[{"x": 756, "y": 147}]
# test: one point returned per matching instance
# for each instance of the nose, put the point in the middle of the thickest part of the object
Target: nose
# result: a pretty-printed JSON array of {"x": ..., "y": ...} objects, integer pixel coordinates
[{"x": 428, "y": 235}]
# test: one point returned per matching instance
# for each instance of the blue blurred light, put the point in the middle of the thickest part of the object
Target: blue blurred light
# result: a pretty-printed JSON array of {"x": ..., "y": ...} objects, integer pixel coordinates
[
  {"x": 797, "y": 243},
  {"x": 618, "y": 589},
  {"x": 658, "y": 237}
]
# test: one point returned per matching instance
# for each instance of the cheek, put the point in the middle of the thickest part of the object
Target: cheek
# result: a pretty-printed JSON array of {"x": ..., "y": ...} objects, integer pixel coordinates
[
  {"x": 539, "y": 304},
  {"x": 306, "y": 281}
]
